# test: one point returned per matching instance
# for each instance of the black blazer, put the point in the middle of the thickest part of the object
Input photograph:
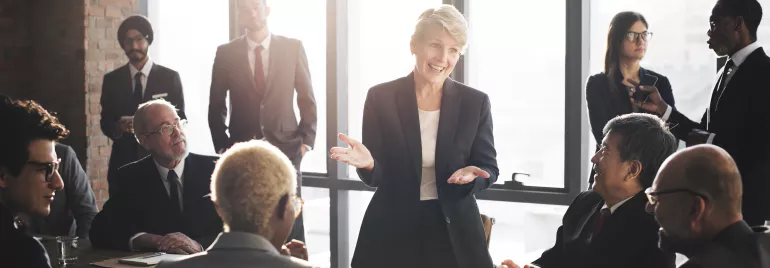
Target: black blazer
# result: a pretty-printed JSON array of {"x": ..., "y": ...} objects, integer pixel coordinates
[
  {"x": 741, "y": 124},
  {"x": 288, "y": 72},
  {"x": 738, "y": 245},
  {"x": 116, "y": 102},
  {"x": 391, "y": 131},
  {"x": 629, "y": 237},
  {"x": 73, "y": 207},
  {"x": 142, "y": 205},
  {"x": 17, "y": 248}
]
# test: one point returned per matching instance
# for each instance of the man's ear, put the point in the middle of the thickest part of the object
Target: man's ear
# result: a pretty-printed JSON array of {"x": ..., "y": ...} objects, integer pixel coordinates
[
  {"x": 634, "y": 169},
  {"x": 142, "y": 139},
  {"x": 412, "y": 47}
]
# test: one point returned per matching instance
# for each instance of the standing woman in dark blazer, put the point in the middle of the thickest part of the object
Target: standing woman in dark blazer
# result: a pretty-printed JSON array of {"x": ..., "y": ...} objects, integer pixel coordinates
[
  {"x": 607, "y": 93},
  {"x": 428, "y": 148}
]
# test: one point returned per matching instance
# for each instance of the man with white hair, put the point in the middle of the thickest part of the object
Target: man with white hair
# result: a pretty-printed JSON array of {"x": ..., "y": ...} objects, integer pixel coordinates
[
  {"x": 162, "y": 202},
  {"x": 254, "y": 188}
]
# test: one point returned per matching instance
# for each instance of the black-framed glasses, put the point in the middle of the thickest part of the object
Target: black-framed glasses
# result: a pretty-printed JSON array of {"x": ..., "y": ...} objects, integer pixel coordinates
[
  {"x": 139, "y": 39},
  {"x": 652, "y": 196},
  {"x": 634, "y": 36},
  {"x": 168, "y": 129},
  {"x": 49, "y": 167},
  {"x": 298, "y": 205}
]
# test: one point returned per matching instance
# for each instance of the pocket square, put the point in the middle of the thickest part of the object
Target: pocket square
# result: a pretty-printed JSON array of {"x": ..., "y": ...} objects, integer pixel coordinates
[
  {"x": 207, "y": 195},
  {"x": 158, "y": 96}
]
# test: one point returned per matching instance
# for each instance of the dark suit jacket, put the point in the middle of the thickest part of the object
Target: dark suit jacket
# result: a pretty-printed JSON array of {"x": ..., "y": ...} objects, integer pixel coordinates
[
  {"x": 629, "y": 237},
  {"x": 116, "y": 102},
  {"x": 736, "y": 246},
  {"x": 73, "y": 207},
  {"x": 17, "y": 248},
  {"x": 604, "y": 105},
  {"x": 143, "y": 205},
  {"x": 288, "y": 72},
  {"x": 741, "y": 125},
  {"x": 235, "y": 250},
  {"x": 391, "y": 131}
]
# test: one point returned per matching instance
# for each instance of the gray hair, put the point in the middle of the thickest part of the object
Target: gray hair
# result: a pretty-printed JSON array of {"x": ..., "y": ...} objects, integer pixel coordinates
[
  {"x": 446, "y": 16},
  {"x": 644, "y": 138},
  {"x": 140, "y": 117},
  {"x": 248, "y": 183}
]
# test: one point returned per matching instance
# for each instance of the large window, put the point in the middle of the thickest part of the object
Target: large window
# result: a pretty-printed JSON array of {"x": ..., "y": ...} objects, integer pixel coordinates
[
  {"x": 306, "y": 20},
  {"x": 525, "y": 81},
  {"x": 187, "y": 44}
]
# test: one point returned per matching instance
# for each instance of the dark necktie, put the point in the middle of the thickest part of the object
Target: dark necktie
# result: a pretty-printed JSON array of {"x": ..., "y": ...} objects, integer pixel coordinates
[
  {"x": 729, "y": 66},
  {"x": 604, "y": 214},
  {"x": 259, "y": 73},
  {"x": 173, "y": 181},
  {"x": 137, "y": 98}
]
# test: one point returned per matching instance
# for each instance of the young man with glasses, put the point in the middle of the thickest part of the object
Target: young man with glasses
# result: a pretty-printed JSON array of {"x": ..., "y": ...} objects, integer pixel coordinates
[
  {"x": 162, "y": 201},
  {"x": 254, "y": 186},
  {"x": 607, "y": 227},
  {"x": 28, "y": 178},
  {"x": 696, "y": 198},
  {"x": 737, "y": 118},
  {"x": 125, "y": 88}
]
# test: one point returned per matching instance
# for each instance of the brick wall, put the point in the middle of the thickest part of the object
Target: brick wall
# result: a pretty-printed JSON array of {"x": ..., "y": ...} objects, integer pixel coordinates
[
  {"x": 57, "y": 52},
  {"x": 102, "y": 54}
]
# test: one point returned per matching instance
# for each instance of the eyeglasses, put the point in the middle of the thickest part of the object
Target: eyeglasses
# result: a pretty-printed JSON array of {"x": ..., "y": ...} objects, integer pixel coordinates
[
  {"x": 298, "y": 205},
  {"x": 634, "y": 36},
  {"x": 168, "y": 129},
  {"x": 139, "y": 39},
  {"x": 652, "y": 197},
  {"x": 50, "y": 167}
]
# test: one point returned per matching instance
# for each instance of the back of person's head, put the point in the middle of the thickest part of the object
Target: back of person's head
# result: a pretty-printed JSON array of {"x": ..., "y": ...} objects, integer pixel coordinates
[
  {"x": 749, "y": 10},
  {"x": 24, "y": 121},
  {"x": 644, "y": 138},
  {"x": 710, "y": 170},
  {"x": 254, "y": 185}
]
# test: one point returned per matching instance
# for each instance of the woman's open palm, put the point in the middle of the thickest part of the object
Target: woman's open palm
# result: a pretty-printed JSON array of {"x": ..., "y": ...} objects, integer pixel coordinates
[{"x": 356, "y": 154}]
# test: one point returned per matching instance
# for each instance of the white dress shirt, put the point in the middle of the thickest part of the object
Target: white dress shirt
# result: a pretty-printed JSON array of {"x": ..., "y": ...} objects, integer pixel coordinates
[
  {"x": 252, "y": 47},
  {"x": 616, "y": 206},
  {"x": 179, "y": 169},
  {"x": 428, "y": 135},
  {"x": 145, "y": 73},
  {"x": 738, "y": 58}
]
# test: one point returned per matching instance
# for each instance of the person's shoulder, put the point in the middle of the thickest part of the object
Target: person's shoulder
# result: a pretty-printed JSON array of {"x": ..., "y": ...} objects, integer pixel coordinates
[
  {"x": 469, "y": 92},
  {"x": 388, "y": 87},
  {"x": 589, "y": 197},
  {"x": 290, "y": 262},
  {"x": 24, "y": 251},
  {"x": 203, "y": 159},
  {"x": 116, "y": 72},
  {"x": 163, "y": 70},
  {"x": 64, "y": 151}
]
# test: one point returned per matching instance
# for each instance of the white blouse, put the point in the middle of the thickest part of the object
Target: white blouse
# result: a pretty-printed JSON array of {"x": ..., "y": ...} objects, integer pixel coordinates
[{"x": 428, "y": 133}]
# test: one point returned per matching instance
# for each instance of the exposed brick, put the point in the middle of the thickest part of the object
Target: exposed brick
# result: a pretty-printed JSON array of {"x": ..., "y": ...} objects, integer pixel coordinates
[
  {"x": 113, "y": 11},
  {"x": 96, "y": 11}
]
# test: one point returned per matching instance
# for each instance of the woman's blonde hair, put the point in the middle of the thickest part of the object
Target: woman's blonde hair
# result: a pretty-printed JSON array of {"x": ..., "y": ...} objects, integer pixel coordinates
[
  {"x": 449, "y": 18},
  {"x": 248, "y": 182}
]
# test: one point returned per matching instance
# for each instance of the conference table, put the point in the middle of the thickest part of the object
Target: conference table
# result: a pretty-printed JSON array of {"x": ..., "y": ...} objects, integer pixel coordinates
[{"x": 86, "y": 254}]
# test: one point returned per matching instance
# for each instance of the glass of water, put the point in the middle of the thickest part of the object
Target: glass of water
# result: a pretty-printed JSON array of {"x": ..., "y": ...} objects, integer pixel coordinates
[{"x": 67, "y": 248}]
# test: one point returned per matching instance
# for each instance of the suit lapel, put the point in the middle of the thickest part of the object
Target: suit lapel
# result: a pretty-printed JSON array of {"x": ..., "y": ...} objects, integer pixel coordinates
[
  {"x": 447, "y": 125},
  {"x": 127, "y": 90},
  {"x": 585, "y": 227},
  {"x": 195, "y": 186},
  {"x": 156, "y": 182},
  {"x": 410, "y": 123},
  {"x": 242, "y": 52},
  {"x": 275, "y": 51}
]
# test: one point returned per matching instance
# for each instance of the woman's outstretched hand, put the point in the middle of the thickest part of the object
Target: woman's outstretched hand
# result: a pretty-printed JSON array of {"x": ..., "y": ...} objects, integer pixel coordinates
[{"x": 355, "y": 154}]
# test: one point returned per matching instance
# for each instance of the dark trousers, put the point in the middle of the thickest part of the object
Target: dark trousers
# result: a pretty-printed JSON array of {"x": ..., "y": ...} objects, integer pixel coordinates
[
  {"x": 298, "y": 231},
  {"x": 434, "y": 245}
]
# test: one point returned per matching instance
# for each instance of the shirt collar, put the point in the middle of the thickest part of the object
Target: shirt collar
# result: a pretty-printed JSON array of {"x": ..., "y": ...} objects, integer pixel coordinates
[
  {"x": 164, "y": 171},
  {"x": 145, "y": 70},
  {"x": 616, "y": 206},
  {"x": 242, "y": 240},
  {"x": 265, "y": 43},
  {"x": 740, "y": 56}
]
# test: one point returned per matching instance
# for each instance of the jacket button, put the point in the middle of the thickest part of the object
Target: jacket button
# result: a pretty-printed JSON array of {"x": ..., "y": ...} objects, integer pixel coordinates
[{"x": 447, "y": 220}]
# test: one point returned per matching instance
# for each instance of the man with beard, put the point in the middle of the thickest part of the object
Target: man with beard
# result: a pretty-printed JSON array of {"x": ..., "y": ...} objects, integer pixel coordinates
[
  {"x": 607, "y": 227},
  {"x": 125, "y": 88},
  {"x": 737, "y": 119},
  {"x": 696, "y": 198},
  {"x": 262, "y": 71},
  {"x": 162, "y": 202}
]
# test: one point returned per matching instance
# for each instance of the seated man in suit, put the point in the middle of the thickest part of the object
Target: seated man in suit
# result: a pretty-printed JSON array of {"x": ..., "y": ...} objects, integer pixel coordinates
[
  {"x": 255, "y": 189},
  {"x": 608, "y": 226},
  {"x": 162, "y": 202},
  {"x": 696, "y": 198},
  {"x": 74, "y": 207},
  {"x": 28, "y": 178}
]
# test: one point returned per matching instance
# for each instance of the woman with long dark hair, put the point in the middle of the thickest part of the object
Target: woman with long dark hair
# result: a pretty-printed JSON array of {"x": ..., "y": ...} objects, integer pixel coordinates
[{"x": 607, "y": 93}]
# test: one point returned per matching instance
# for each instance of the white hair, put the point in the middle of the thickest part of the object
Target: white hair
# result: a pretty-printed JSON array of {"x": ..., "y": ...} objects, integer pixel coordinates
[
  {"x": 248, "y": 182},
  {"x": 140, "y": 117},
  {"x": 446, "y": 16}
]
